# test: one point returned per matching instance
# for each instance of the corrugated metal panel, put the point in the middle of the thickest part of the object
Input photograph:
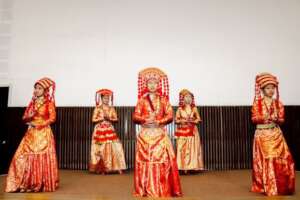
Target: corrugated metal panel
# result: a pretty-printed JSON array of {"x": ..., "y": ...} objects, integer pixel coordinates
[{"x": 226, "y": 133}]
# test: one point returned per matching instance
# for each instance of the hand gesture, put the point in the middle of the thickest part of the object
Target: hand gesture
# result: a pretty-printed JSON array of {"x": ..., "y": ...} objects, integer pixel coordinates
[
  {"x": 31, "y": 113},
  {"x": 190, "y": 120},
  {"x": 106, "y": 115},
  {"x": 151, "y": 121},
  {"x": 31, "y": 125},
  {"x": 274, "y": 118}
]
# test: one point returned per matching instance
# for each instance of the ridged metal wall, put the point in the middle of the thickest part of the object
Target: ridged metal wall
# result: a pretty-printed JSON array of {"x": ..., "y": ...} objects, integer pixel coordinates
[{"x": 226, "y": 133}]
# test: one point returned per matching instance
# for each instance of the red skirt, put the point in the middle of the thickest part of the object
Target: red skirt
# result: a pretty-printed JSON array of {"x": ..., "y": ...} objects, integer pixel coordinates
[
  {"x": 104, "y": 133},
  {"x": 184, "y": 131},
  {"x": 156, "y": 172},
  {"x": 273, "y": 166},
  {"x": 34, "y": 165}
]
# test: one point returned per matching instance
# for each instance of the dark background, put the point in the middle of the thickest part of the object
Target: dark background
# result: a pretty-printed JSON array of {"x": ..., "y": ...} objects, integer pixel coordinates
[{"x": 226, "y": 133}]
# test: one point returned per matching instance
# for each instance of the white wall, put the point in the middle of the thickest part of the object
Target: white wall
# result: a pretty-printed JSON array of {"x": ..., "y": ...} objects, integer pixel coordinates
[
  {"x": 214, "y": 47},
  {"x": 5, "y": 40}
]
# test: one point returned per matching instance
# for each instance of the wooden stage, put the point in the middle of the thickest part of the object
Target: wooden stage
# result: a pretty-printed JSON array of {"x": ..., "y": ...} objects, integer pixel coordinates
[{"x": 212, "y": 185}]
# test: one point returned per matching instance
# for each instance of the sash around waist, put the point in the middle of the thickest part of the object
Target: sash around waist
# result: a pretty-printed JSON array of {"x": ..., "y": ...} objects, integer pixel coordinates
[{"x": 266, "y": 126}]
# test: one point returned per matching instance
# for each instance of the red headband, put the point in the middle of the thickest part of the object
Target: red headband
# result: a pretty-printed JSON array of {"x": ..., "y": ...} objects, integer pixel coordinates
[
  {"x": 101, "y": 92},
  {"x": 49, "y": 86},
  {"x": 261, "y": 81}
]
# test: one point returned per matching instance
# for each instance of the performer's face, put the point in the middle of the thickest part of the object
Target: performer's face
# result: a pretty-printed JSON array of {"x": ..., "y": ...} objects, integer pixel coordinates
[
  {"x": 38, "y": 90},
  {"x": 188, "y": 99},
  {"x": 269, "y": 90},
  {"x": 152, "y": 85},
  {"x": 105, "y": 99}
]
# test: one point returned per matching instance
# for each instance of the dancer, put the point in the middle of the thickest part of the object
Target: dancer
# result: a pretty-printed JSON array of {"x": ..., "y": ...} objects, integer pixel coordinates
[
  {"x": 273, "y": 166},
  {"x": 156, "y": 173},
  {"x": 189, "y": 149},
  {"x": 107, "y": 153},
  {"x": 34, "y": 165}
]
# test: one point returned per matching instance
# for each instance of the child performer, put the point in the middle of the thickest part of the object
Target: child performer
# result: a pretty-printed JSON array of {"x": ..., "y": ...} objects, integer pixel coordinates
[
  {"x": 107, "y": 153},
  {"x": 34, "y": 165},
  {"x": 189, "y": 149},
  {"x": 273, "y": 166},
  {"x": 156, "y": 173}
]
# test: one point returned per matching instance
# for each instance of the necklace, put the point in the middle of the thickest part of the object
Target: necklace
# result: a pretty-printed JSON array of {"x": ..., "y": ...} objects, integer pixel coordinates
[
  {"x": 189, "y": 114},
  {"x": 39, "y": 102},
  {"x": 154, "y": 103},
  {"x": 269, "y": 106}
]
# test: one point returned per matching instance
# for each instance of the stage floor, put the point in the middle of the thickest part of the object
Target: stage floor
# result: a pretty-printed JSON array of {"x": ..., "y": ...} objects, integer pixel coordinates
[{"x": 75, "y": 185}]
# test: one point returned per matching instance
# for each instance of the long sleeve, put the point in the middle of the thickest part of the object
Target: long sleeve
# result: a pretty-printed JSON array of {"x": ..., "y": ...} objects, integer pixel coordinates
[
  {"x": 51, "y": 116},
  {"x": 97, "y": 115},
  {"x": 113, "y": 115},
  {"x": 256, "y": 117},
  {"x": 178, "y": 116},
  {"x": 26, "y": 116},
  {"x": 196, "y": 115},
  {"x": 280, "y": 114},
  {"x": 138, "y": 113},
  {"x": 168, "y": 113}
]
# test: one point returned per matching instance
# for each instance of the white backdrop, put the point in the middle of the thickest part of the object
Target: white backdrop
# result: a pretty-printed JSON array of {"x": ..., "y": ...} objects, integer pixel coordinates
[{"x": 214, "y": 47}]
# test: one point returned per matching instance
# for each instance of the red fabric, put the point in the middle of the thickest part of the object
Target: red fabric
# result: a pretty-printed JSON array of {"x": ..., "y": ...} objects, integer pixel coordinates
[
  {"x": 156, "y": 172},
  {"x": 284, "y": 184},
  {"x": 273, "y": 166},
  {"x": 104, "y": 133},
  {"x": 106, "y": 139},
  {"x": 30, "y": 171},
  {"x": 185, "y": 131}
]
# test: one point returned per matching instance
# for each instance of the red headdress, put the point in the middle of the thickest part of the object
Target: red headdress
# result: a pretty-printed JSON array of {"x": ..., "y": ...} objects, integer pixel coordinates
[
  {"x": 49, "y": 90},
  {"x": 49, "y": 87},
  {"x": 182, "y": 94},
  {"x": 261, "y": 81},
  {"x": 101, "y": 92},
  {"x": 153, "y": 73}
]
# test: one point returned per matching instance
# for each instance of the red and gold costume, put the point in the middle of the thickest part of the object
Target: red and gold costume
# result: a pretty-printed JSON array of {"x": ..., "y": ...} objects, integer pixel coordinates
[
  {"x": 273, "y": 166},
  {"x": 34, "y": 165},
  {"x": 107, "y": 153},
  {"x": 156, "y": 173},
  {"x": 189, "y": 149}
]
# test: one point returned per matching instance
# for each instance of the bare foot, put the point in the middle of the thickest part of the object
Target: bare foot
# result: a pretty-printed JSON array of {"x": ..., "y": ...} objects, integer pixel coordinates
[{"x": 120, "y": 172}]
